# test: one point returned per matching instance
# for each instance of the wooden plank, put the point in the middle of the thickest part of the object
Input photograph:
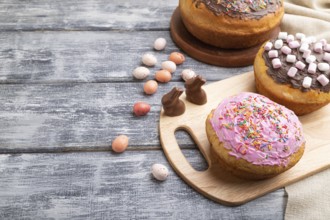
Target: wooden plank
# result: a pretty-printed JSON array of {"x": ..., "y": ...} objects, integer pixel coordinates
[
  {"x": 87, "y": 116},
  {"x": 56, "y": 57},
  {"x": 102, "y": 185},
  {"x": 86, "y": 15},
  {"x": 226, "y": 188}
]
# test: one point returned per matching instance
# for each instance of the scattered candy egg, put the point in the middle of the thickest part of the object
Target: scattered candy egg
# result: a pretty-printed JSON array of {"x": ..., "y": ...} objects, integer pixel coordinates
[
  {"x": 169, "y": 65},
  {"x": 141, "y": 72},
  {"x": 149, "y": 59},
  {"x": 141, "y": 108},
  {"x": 120, "y": 144},
  {"x": 159, "y": 171},
  {"x": 163, "y": 76},
  {"x": 177, "y": 58},
  {"x": 160, "y": 43},
  {"x": 187, "y": 74},
  {"x": 150, "y": 87}
]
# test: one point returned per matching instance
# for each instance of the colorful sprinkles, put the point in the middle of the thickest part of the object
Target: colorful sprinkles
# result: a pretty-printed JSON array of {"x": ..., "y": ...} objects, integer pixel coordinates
[{"x": 257, "y": 129}]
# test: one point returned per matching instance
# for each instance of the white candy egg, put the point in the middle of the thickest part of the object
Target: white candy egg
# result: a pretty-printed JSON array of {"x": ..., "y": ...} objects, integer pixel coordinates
[
  {"x": 169, "y": 66},
  {"x": 159, "y": 171},
  {"x": 160, "y": 43},
  {"x": 141, "y": 72},
  {"x": 149, "y": 59},
  {"x": 187, "y": 74}
]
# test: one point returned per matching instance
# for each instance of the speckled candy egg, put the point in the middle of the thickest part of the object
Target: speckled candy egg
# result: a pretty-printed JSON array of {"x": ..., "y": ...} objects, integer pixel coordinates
[
  {"x": 187, "y": 74},
  {"x": 163, "y": 76},
  {"x": 120, "y": 144},
  {"x": 150, "y": 87},
  {"x": 160, "y": 43},
  {"x": 149, "y": 59},
  {"x": 177, "y": 58},
  {"x": 169, "y": 65},
  {"x": 141, "y": 72},
  {"x": 159, "y": 171}
]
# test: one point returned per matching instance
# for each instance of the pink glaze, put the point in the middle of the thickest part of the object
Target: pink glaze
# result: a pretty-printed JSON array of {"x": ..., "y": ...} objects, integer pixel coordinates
[{"x": 257, "y": 129}]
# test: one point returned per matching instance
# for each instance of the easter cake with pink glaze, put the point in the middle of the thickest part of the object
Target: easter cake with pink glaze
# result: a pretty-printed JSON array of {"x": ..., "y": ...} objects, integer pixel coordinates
[{"x": 253, "y": 137}]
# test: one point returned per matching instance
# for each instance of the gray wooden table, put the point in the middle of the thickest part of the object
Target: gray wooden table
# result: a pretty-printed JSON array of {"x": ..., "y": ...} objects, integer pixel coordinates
[{"x": 66, "y": 90}]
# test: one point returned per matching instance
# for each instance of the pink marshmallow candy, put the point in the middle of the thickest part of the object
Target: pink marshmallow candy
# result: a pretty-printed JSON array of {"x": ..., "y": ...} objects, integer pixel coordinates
[
  {"x": 318, "y": 47},
  {"x": 290, "y": 38},
  {"x": 300, "y": 36},
  {"x": 323, "y": 80},
  {"x": 300, "y": 65},
  {"x": 307, "y": 53},
  {"x": 276, "y": 63},
  {"x": 327, "y": 47},
  {"x": 323, "y": 42},
  {"x": 273, "y": 53},
  {"x": 268, "y": 46},
  {"x": 312, "y": 68},
  {"x": 326, "y": 57},
  {"x": 286, "y": 50},
  {"x": 311, "y": 59},
  {"x": 283, "y": 35},
  {"x": 292, "y": 71},
  {"x": 304, "y": 47},
  {"x": 294, "y": 44}
]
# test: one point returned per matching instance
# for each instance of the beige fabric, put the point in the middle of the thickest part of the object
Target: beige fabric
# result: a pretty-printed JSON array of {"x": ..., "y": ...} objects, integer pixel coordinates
[{"x": 308, "y": 198}]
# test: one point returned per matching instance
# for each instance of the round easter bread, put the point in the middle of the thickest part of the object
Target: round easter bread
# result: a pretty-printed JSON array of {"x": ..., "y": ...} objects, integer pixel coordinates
[
  {"x": 294, "y": 71},
  {"x": 231, "y": 24},
  {"x": 253, "y": 137}
]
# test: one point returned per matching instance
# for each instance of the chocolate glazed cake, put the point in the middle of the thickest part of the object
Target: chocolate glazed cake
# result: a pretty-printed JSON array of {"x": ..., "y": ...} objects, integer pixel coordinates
[{"x": 231, "y": 24}]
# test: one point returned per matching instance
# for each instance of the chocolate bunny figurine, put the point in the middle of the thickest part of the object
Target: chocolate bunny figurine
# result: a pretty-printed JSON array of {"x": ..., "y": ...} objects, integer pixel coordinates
[
  {"x": 172, "y": 105},
  {"x": 194, "y": 92}
]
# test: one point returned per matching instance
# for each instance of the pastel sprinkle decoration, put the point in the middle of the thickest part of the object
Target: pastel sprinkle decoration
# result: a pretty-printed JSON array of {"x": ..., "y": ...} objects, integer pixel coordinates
[
  {"x": 307, "y": 82},
  {"x": 323, "y": 80},
  {"x": 256, "y": 129},
  {"x": 292, "y": 71}
]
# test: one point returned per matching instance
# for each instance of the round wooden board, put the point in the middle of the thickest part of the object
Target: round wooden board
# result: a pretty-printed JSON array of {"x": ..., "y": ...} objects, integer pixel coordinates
[
  {"x": 219, "y": 185},
  {"x": 207, "y": 53}
]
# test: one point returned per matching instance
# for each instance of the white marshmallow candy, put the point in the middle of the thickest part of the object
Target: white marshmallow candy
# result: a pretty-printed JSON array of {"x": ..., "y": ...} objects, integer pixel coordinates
[
  {"x": 311, "y": 59},
  {"x": 323, "y": 67},
  {"x": 286, "y": 50},
  {"x": 323, "y": 80},
  {"x": 294, "y": 44},
  {"x": 323, "y": 42},
  {"x": 290, "y": 38},
  {"x": 304, "y": 47},
  {"x": 327, "y": 48},
  {"x": 300, "y": 36},
  {"x": 318, "y": 47},
  {"x": 278, "y": 44},
  {"x": 160, "y": 43},
  {"x": 273, "y": 54},
  {"x": 300, "y": 65},
  {"x": 326, "y": 57},
  {"x": 276, "y": 63},
  {"x": 268, "y": 46},
  {"x": 307, "y": 53},
  {"x": 141, "y": 72},
  {"x": 307, "y": 82},
  {"x": 291, "y": 58},
  {"x": 149, "y": 59},
  {"x": 292, "y": 71},
  {"x": 312, "y": 39},
  {"x": 283, "y": 35},
  {"x": 312, "y": 68}
]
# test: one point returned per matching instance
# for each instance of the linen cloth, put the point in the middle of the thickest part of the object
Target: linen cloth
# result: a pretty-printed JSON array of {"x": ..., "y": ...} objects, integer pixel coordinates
[{"x": 308, "y": 198}]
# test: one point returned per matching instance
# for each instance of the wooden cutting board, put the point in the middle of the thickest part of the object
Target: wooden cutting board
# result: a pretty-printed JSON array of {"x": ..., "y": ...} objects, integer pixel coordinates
[{"x": 219, "y": 185}]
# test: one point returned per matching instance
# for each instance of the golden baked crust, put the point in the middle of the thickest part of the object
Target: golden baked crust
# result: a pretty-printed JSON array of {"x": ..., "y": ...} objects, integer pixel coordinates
[
  {"x": 300, "y": 102},
  {"x": 225, "y": 31},
  {"x": 241, "y": 167}
]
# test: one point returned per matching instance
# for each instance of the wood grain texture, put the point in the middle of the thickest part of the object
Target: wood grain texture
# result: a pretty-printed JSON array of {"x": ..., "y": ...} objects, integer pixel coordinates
[
  {"x": 217, "y": 183},
  {"x": 102, "y": 185},
  {"x": 56, "y": 57},
  {"x": 85, "y": 15}
]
